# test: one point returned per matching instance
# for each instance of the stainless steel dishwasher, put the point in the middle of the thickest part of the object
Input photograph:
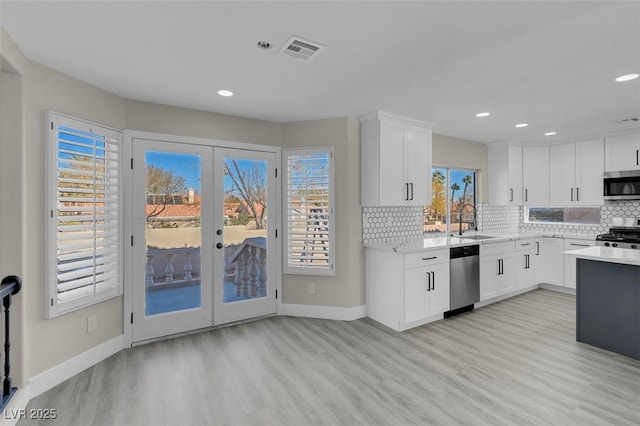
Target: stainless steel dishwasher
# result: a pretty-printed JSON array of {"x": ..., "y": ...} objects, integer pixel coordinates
[{"x": 464, "y": 269}]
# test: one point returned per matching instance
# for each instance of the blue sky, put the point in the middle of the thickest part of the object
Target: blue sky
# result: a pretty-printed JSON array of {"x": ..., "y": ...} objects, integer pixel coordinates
[{"x": 187, "y": 165}]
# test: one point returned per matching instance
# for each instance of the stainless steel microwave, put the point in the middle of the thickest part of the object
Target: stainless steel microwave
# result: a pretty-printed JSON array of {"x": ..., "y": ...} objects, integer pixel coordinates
[{"x": 622, "y": 185}]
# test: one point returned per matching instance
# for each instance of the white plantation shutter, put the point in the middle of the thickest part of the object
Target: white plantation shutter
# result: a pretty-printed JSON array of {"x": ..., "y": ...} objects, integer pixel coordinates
[
  {"x": 309, "y": 211},
  {"x": 84, "y": 217}
]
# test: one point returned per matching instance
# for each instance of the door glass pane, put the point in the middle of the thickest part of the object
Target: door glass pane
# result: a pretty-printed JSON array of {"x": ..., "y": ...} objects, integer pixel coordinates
[
  {"x": 173, "y": 234},
  {"x": 245, "y": 229}
]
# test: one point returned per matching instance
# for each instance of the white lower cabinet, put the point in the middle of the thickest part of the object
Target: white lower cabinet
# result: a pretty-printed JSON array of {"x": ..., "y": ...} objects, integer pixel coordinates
[
  {"x": 552, "y": 261},
  {"x": 426, "y": 292},
  {"x": 570, "y": 262},
  {"x": 407, "y": 290},
  {"x": 538, "y": 265},
  {"x": 497, "y": 267},
  {"x": 524, "y": 263}
]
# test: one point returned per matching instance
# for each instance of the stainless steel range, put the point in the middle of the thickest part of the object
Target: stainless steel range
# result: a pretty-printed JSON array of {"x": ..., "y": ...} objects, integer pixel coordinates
[{"x": 621, "y": 237}]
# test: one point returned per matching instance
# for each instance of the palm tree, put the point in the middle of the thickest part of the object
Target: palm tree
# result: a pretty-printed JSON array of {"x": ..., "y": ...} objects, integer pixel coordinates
[{"x": 454, "y": 187}]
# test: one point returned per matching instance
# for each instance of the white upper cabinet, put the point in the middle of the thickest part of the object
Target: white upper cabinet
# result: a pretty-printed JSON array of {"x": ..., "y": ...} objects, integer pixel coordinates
[
  {"x": 575, "y": 173},
  {"x": 396, "y": 160},
  {"x": 622, "y": 153},
  {"x": 535, "y": 175},
  {"x": 505, "y": 174}
]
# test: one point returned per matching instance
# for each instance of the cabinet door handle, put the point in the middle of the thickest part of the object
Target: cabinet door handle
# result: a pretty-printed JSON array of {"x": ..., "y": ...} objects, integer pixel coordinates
[
  {"x": 526, "y": 195},
  {"x": 433, "y": 280},
  {"x": 577, "y": 193},
  {"x": 537, "y": 248},
  {"x": 411, "y": 190},
  {"x": 579, "y": 245},
  {"x": 571, "y": 193},
  {"x": 430, "y": 258},
  {"x": 524, "y": 245},
  {"x": 511, "y": 196},
  {"x": 526, "y": 261},
  {"x": 637, "y": 157},
  {"x": 406, "y": 186},
  {"x": 500, "y": 270},
  {"x": 428, "y": 281}
]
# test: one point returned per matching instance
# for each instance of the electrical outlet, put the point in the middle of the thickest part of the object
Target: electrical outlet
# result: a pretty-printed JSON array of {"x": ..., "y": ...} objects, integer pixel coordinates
[
  {"x": 92, "y": 324},
  {"x": 312, "y": 288}
]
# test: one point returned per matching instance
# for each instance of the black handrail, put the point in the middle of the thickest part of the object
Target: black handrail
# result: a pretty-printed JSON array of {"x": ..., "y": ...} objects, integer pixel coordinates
[{"x": 10, "y": 286}]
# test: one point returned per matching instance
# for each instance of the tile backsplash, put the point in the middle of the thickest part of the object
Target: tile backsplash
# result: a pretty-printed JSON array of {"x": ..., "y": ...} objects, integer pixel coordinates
[{"x": 392, "y": 223}]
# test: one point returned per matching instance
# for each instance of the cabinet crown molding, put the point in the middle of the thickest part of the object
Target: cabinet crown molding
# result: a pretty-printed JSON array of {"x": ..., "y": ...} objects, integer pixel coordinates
[{"x": 383, "y": 115}]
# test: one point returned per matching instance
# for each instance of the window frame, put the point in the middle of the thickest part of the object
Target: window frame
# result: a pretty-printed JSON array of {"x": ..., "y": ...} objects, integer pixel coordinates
[
  {"x": 448, "y": 169},
  {"x": 53, "y": 306},
  {"x": 527, "y": 221},
  {"x": 328, "y": 270}
]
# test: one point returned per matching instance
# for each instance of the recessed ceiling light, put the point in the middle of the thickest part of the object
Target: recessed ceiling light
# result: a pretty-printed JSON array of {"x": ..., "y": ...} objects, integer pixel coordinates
[
  {"x": 551, "y": 133},
  {"x": 483, "y": 114},
  {"x": 225, "y": 93},
  {"x": 627, "y": 77},
  {"x": 521, "y": 125}
]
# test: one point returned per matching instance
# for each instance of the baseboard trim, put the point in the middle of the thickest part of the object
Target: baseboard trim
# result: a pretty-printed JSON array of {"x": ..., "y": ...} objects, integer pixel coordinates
[
  {"x": 559, "y": 289},
  {"x": 323, "y": 312},
  {"x": 54, "y": 376},
  {"x": 13, "y": 411}
]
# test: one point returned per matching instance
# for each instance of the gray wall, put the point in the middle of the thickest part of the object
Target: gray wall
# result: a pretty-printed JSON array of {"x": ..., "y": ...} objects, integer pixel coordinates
[
  {"x": 453, "y": 152},
  {"x": 346, "y": 288}
]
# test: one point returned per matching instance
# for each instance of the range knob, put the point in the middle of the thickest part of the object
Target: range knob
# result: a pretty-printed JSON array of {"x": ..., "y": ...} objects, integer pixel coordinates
[
  {"x": 633, "y": 246},
  {"x": 614, "y": 245},
  {"x": 607, "y": 244}
]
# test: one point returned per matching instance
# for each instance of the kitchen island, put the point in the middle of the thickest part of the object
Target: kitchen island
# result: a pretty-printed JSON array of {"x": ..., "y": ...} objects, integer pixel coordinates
[{"x": 608, "y": 299}]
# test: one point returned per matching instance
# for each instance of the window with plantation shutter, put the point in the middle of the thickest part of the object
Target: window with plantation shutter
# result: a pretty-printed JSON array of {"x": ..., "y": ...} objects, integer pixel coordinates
[
  {"x": 309, "y": 211},
  {"x": 84, "y": 214}
]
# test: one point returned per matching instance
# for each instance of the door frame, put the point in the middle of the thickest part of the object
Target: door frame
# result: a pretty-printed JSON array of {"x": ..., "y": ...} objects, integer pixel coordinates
[{"x": 127, "y": 139}]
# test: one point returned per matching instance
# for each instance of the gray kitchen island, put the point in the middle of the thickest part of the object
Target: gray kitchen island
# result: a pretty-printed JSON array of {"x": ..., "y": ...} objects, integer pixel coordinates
[{"x": 608, "y": 299}]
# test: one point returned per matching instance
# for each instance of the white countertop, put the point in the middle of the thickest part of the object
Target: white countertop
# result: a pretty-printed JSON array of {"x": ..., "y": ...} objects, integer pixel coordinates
[
  {"x": 412, "y": 246},
  {"x": 607, "y": 254}
]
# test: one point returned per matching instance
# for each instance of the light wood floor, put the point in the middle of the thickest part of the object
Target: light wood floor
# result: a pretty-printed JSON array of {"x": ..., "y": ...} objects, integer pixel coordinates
[{"x": 511, "y": 363}]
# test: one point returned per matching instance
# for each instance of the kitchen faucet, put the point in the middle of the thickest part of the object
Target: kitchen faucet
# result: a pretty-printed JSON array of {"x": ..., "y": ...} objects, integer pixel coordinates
[{"x": 460, "y": 217}]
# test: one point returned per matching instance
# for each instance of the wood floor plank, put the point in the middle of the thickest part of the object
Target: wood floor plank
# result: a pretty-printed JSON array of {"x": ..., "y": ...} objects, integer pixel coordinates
[{"x": 515, "y": 362}]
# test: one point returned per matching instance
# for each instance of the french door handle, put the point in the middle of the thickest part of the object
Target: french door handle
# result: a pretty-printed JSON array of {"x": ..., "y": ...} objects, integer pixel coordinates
[{"x": 219, "y": 245}]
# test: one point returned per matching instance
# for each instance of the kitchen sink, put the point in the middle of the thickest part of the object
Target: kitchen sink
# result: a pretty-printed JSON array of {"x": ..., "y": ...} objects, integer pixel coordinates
[{"x": 476, "y": 237}]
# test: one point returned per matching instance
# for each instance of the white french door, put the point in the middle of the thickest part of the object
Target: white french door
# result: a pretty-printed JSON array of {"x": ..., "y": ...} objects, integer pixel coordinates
[
  {"x": 203, "y": 236},
  {"x": 245, "y": 223},
  {"x": 172, "y": 251}
]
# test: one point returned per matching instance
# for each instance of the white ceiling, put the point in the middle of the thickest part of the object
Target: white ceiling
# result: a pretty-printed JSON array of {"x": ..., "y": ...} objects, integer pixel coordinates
[{"x": 550, "y": 64}]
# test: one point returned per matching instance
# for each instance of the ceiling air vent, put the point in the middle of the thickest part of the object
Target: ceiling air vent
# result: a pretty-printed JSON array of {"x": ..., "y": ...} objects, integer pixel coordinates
[
  {"x": 628, "y": 120},
  {"x": 301, "y": 49}
]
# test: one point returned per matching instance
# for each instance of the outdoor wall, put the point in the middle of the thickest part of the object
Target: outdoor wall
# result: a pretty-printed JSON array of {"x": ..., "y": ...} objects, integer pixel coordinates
[
  {"x": 50, "y": 342},
  {"x": 346, "y": 288},
  {"x": 453, "y": 152},
  {"x": 12, "y": 64}
]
